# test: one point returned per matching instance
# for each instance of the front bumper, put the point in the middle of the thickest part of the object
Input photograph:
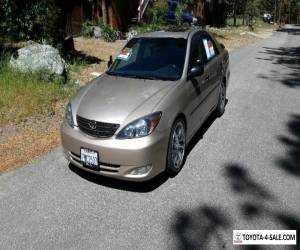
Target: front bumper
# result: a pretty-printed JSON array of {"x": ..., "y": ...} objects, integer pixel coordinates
[{"x": 117, "y": 158}]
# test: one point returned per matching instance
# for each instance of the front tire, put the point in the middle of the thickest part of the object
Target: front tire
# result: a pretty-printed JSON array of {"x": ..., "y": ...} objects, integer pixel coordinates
[
  {"x": 177, "y": 148},
  {"x": 220, "y": 109}
]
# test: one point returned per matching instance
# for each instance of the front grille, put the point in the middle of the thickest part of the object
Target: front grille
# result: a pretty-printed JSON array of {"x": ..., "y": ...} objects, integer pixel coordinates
[{"x": 97, "y": 129}]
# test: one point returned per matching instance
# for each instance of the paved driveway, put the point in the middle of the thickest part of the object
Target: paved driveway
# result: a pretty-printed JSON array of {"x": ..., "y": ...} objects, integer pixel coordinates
[{"x": 242, "y": 172}]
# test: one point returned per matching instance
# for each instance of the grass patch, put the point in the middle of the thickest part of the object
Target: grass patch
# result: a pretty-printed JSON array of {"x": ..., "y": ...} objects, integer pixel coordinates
[{"x": 25, "y": 96}]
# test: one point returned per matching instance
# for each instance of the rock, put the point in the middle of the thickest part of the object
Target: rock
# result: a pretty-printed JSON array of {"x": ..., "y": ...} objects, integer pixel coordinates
[
  {"x": 97, "y": 32},
  {"x": 131, "y": 34},
  {"x": 37, "y": 57}
]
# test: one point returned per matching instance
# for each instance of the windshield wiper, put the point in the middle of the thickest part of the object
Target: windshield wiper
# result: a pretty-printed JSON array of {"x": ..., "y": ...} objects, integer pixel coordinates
[
  {"x": 147, "y": 77},
  {"x": 132, "y": 76},
  {"x": 113, "y": 73}
]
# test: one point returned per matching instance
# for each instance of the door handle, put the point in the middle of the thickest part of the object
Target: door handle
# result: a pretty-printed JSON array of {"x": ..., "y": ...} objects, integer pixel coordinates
[{"x": 206, "y": 78}]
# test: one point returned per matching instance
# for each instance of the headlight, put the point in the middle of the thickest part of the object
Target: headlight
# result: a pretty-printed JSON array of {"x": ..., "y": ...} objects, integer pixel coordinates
[
  {"x": 140, "y": 127},
  {"x": 69, "y": 116}
]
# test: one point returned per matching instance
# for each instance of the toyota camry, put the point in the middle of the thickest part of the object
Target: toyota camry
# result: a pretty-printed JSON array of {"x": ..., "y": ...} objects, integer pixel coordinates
[{"x": 136, "y": 120}]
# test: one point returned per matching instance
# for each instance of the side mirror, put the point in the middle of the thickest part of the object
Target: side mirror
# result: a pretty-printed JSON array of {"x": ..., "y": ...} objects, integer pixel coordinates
[
  {"x": 110, "y": 61},
  {"x": 196, "y": 71},
  {"x": 222, "y": 45}
]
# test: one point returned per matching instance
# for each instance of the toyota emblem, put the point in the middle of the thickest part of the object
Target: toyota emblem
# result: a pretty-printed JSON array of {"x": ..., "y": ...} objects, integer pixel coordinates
[{"x": 92, "y": 125}]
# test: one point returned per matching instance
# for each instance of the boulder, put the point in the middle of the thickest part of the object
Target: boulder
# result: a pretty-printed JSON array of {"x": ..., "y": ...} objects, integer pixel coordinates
[
  {"x": 97, "y": 32},
  {"x": 131, "y": 34},
  {"x": 39, "y": 57}
]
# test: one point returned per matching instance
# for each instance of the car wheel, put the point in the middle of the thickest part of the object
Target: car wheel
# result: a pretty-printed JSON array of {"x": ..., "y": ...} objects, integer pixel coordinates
[
  {"x": 220, "y": 109},
  {"x": 177, "y": 148}
]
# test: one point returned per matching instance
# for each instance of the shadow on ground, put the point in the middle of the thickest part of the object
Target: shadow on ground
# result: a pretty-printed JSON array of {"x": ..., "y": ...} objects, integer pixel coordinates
[
  {"x": 288, "y": 57},
  {"x": 291, "y": 31},
  {"x": 81, "y": 58},
  {"x": 256, "y": 206},
  {"x": 200, "y": 228},
  {"x": 207, "y": 227},
  {"x": 285, "y": 56},
  {"x": 291, "y": 161},
  {"x": 242, "y": 183},
  {"x": 201, "y": 132}
]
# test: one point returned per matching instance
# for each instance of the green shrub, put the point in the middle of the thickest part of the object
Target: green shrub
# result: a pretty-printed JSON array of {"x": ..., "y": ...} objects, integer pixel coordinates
[
  {"x": 87, "y": 29},
  {"x": 179, "y": 12},
  {"x": 7, "y": 21},
  {"x": 159, "y": 11},
  {"x": 107, "y": 33},
  {"x": 38, "y": 20},
  {"x": 41, "y": 21}
]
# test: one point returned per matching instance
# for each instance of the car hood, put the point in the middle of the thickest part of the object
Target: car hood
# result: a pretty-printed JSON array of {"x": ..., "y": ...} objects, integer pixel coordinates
[{"x": 115, "y": 99}]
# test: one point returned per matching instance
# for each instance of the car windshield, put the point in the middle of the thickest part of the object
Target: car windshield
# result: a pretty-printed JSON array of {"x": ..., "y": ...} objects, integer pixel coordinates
[{"x": 151, "y": 58}]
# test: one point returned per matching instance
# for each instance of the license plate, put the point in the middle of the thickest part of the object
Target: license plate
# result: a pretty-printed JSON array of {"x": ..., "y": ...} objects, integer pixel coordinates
[{"x": 89, "y": 158}]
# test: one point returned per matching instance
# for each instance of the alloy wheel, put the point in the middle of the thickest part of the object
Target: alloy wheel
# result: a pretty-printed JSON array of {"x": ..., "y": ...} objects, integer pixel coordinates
[{"x": 178, "y": 145}]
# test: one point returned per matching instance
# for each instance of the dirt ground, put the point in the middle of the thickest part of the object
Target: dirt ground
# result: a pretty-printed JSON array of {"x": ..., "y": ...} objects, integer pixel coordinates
[
  {"x": 96, "y": 48},
  {"x": 22, "y": 143},
  {"x": 234, "y": 39}
]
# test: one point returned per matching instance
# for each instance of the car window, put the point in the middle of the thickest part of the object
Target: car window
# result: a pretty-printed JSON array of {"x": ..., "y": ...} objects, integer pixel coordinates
[
  {"x": 129, "y": 54},
  {"x": 151, "y": 58},
  {"x": 196, "y": 54},
  {"x": 210, "y": 47}
]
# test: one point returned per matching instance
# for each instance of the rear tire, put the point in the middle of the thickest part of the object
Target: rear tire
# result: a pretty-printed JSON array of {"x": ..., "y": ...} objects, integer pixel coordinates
[
  {"x": 177, "y": 148},
  {"x": 220, "y": 109}
]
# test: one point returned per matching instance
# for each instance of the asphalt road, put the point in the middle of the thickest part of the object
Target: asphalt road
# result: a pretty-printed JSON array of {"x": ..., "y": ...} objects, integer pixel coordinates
[{"x": 242, "y": 172}]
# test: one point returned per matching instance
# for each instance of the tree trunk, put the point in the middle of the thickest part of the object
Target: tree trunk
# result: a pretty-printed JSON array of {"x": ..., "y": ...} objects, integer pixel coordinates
[
  {"x": 279, "y": 12},
  {"x": 275, "y": 12},
  {"x": 104, "y": 11},
  {"x": 234, "y": 13},
  {"x": 244, "y": 10},
  {"x": 289, "y": 11},
  {"x": 111, "y": 18},
  {"x": 234, "y": 19}
]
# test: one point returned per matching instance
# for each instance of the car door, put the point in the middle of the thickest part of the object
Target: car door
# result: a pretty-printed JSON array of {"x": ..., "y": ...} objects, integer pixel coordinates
[
  {"x": 213, "y": 68},
  {"x": 196, "y": 85}
]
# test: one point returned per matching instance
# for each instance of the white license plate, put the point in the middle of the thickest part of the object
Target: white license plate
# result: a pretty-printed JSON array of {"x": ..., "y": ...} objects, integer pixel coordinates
[{"x": 89, "y": 157}]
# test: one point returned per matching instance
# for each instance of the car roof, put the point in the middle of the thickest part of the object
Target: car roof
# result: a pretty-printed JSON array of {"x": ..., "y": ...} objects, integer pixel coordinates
[{"x": 169, "y": 33}]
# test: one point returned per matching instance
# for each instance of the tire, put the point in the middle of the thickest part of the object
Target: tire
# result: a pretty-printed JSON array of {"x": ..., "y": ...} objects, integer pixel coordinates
[
  {"x": 220, "y": 109},
  {"x": 177, "y": 148}
]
